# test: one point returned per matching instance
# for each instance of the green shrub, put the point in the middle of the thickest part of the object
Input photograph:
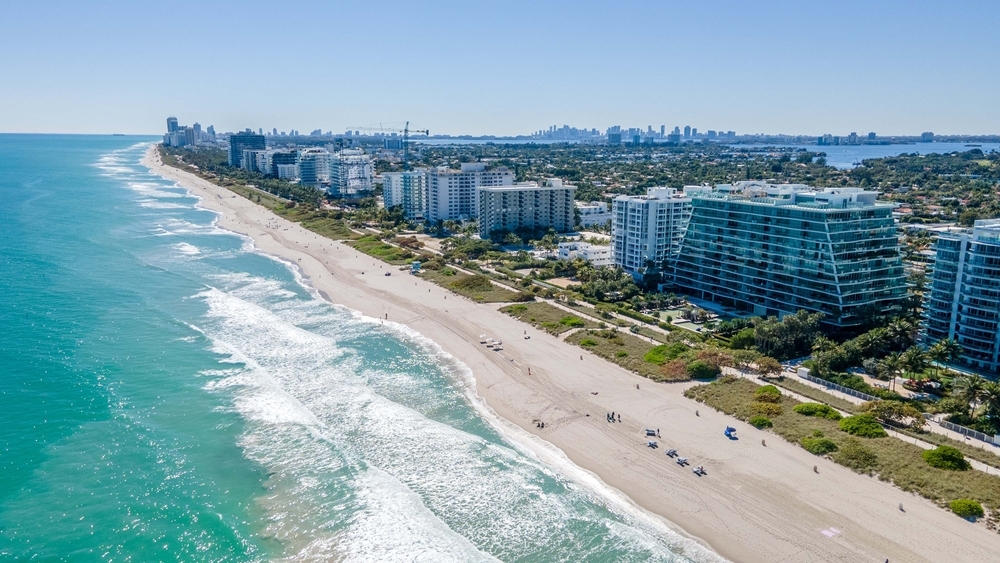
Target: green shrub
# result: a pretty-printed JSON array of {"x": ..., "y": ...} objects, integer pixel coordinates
[
  {"x": 588, "y": 342},
  {"x": 621, "y": 354},
  {"x": 571, "y": 321},
  {"x": 946, "y": 457},
  {"x": 819, "y": 446},
  {"x": 447, "y": 272},
  {"x": 478, "y": 282},
  {"x": 663, "y": 353},
  {"x": 857, "y": 456},
  {"x": 863, "y": 425},
  {"x": 966, "y": 508},
  {"x": 522, "y": 297},
  {"x": 699, "y": 369},
  {"x": 761, "y": 422},
  {"x": 817, "y": 409},
  {"x": 516, "y": 309},
  {"x": 765, "y": 409},
  {"x": 768, "y": 394}
]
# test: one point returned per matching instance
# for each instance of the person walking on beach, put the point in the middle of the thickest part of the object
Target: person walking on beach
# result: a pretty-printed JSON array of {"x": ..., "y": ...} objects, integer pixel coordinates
[
  {"x": 612, "y": 416},
  {"x": 619, "y": 417}
]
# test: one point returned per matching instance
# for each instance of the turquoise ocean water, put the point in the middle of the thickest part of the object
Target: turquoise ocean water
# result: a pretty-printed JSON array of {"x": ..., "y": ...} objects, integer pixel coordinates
[{"x": 169, "y": 394}]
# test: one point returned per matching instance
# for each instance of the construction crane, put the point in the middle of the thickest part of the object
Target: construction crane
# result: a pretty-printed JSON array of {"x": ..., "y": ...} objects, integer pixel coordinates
[{"x": 406, "y": 138}]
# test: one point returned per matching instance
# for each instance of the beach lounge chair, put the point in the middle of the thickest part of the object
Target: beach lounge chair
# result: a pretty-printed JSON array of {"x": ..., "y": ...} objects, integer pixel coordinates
[
  {"x": 699, "y": 470},
  {"x": 650, "y": 432},
  {"x": 671, "y": 453},
  {"x": 682, "y": 461},
  {"x": 652, "y": 444}
]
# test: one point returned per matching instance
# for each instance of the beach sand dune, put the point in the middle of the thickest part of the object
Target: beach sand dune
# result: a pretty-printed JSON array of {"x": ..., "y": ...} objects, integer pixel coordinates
[{"x": 756, "y": 503}]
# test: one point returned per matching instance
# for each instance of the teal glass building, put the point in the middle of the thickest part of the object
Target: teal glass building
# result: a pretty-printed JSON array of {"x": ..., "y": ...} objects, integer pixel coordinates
[
  {"x": 964, "y": 298},
  {"x": 772, "y": 250}
]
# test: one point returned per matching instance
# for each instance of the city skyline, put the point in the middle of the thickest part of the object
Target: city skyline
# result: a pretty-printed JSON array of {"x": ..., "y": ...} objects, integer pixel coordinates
[{"x": 896, "y": 68}]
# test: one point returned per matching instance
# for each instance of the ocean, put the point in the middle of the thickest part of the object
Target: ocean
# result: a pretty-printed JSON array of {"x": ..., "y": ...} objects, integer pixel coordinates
[{"x": 168, "y": 393}]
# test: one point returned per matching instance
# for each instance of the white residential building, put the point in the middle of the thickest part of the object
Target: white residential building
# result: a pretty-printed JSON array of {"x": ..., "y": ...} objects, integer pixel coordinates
[
  {"x": 451, "y": 194},
  {"x": 407, "y": 190},
  {"x": 314, "y": 167},
  {"x": 526, "y": 206},
  {"x": 288, "y": 172},
  {"x": 593, "y": 213},
  {"x": 647, "y": 231},
  {"x": 256, "y": 161},
  {"x": 351, "y": 173},
  {"x": 597, "y": 254}
]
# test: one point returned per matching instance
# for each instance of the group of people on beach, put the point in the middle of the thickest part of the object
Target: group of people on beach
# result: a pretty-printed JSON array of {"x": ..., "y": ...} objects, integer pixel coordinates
[{"x": 611, "y": 417}]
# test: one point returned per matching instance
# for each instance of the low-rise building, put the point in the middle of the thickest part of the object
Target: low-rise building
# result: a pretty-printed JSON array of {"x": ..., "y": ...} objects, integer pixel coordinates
[
  {"x": 526, "y": 206},
  {"x": 597, "y": 254},
  {"x": 593, "y": 213}
]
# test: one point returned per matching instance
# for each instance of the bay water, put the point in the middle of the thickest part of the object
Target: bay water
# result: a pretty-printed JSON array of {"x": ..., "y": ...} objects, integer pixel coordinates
[{"x": 168, "y": 393}]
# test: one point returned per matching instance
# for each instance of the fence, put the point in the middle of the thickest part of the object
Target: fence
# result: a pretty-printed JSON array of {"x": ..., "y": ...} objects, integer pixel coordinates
[
  {"x": 969, "y": 432},
  {"x": 841, "y": 388}
]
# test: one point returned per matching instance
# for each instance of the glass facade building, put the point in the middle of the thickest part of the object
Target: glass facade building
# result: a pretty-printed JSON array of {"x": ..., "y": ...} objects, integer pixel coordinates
[
  {"x": 964, "y": 298},
  {"x": 775, "y": 249}
]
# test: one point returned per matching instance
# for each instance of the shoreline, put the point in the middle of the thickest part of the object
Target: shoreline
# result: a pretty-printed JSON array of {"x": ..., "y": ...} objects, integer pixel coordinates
[{"x": 756, "y": 503}]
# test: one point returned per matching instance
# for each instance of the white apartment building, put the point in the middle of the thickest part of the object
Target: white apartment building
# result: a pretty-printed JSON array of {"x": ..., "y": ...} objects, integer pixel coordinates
[
  {"x": 288, "y": 172},
  {"x": 407, "y": 190},
  {"x": 314, "y": 167},
  {"x": 526, "y": 205},
  {"x": 593, "y": 213},
  {"x": 256, "y": 161},
  {"x": 647, "y": 231},
  {"x": 597, "y": 254},
  {"x": 451, "y": 194},
  {"x": 351, "y": 173}
]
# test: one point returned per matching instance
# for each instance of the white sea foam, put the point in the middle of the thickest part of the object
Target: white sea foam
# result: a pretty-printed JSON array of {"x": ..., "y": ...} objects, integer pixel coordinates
[
  {"x": 187, "y": 249},
  {"x": 492, "y": 495}
]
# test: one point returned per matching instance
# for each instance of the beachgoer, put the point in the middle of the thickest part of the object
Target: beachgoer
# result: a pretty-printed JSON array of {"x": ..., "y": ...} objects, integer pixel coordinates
[
  {"x": 657, "y": 432},
  {"x": 619, "y": 418}
]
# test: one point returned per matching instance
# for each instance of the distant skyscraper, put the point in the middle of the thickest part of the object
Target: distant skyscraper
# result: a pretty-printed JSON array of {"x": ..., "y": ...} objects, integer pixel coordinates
[
  {"x": 172, "y": 125},
  {"x": 687, "y": 131},
  {"x": 871, "y": 136},
  {"x": 663, "y": 130},
  {"x": 694, "y": 132},
  {"x": 927, "y": 137},
  {"x": 274, "y": 131}
]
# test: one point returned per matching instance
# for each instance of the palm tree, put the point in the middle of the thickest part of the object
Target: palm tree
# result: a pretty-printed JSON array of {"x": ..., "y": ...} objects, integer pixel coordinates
[
  {"x": 989, "y": 398},
  {"x": 968, "y": 388},
  {"x": 891, "y": 364},
  {"x": 914, "y": 360},
  {"x": 900, "y": 332}
]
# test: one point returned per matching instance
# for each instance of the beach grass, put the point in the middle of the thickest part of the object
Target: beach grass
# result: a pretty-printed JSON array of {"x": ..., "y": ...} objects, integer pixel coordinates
[
  {"x": 611, "y": 344},
  {"x": 987, "y": 456},
  {"x": 889, "y": 459},
  {"x": 469, "y": 286},
  {"x": 547, "y": 317},
  {"x": 376, "y": 248}
]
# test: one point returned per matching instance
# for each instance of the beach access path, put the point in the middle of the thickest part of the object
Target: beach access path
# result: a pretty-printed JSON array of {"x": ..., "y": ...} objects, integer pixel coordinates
[{"x": 756, "y": 504}]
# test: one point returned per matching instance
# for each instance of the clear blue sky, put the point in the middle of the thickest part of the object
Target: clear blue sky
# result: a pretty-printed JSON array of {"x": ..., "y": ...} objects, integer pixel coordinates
[{"x": 502, "y": 67}]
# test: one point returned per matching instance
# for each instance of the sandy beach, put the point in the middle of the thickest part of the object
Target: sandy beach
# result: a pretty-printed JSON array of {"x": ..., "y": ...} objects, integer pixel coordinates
[{"x": 757, "y": 503}]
